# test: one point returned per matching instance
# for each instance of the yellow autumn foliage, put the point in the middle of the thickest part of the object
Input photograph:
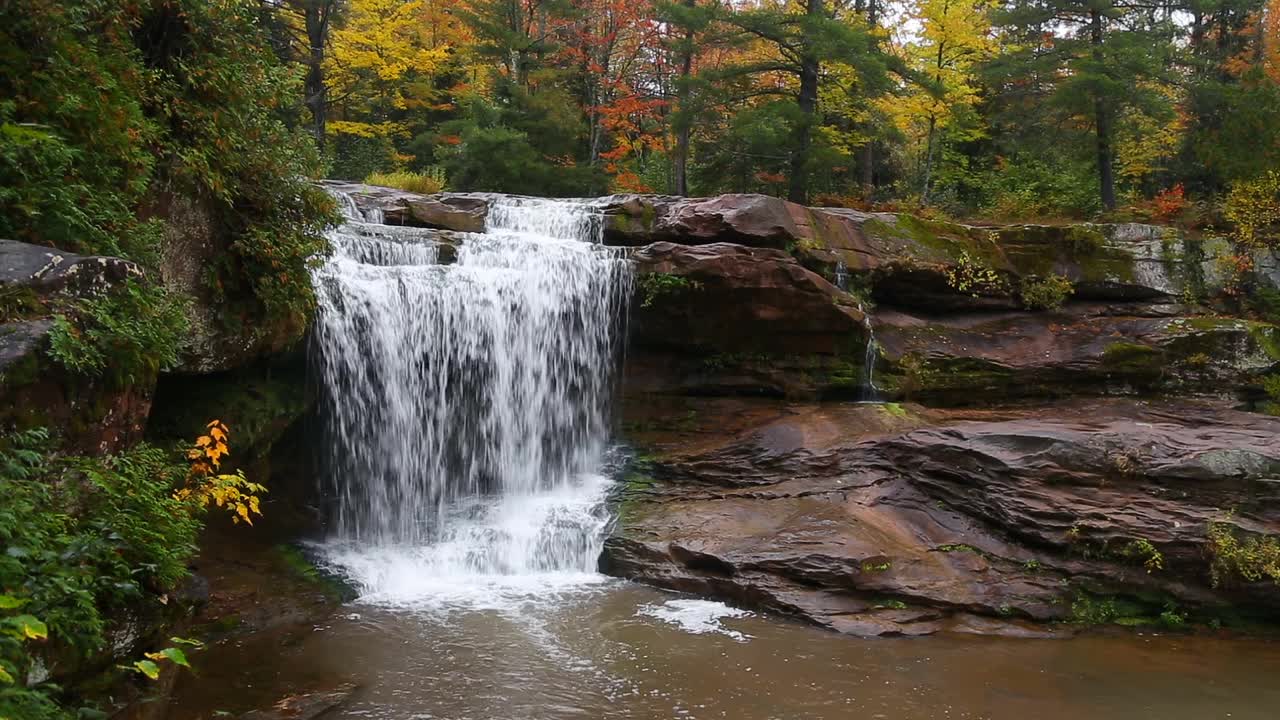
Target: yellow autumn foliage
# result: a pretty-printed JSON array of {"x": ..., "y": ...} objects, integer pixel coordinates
[{"x": 205, "y": 486}]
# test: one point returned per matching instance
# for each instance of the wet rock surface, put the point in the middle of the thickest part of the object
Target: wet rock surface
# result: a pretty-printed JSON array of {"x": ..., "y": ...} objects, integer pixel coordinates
[
  {"x": 704, "y": 297},
  {"x": 996, "y": 521},
  {"x": 304, "y": 706}
]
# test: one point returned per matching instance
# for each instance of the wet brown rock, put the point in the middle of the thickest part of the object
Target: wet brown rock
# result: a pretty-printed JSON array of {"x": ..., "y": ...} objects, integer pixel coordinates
[
  {"x": 86, "y": 413},
  {"x": 729, "y": 298},
  {"x": 449, "y": 211},
  {"x": 979, "y": 522},
  {"x": 975, "y": 358},
  {"x": 304, "y": 706}
]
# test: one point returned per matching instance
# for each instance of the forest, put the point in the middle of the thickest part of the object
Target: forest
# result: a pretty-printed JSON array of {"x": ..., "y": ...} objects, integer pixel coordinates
[{"x": 1057, "y": 108}]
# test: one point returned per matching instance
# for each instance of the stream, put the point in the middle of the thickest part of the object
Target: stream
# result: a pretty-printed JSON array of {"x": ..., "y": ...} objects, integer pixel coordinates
[{"x": 611, "y": 649}]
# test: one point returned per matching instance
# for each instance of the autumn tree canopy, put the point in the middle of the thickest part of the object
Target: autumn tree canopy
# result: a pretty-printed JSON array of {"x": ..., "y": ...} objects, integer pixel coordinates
[{"x": 1004, "y": 107}]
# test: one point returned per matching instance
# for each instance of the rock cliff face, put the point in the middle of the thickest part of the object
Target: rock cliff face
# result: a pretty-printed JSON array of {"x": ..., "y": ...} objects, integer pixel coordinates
[
  {"x": 216, "y": 342},
  {"x": 885, "y": 519}
]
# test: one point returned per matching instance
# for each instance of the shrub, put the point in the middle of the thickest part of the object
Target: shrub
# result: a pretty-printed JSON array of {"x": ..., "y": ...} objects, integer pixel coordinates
[
  {"x": 1169, "y": 204},
  {"x": 1253, "y": 206},
  {"x": 106, "y": 104},
  {"x": 86, "y": 538},
  {"x": 974, "y": 277},
  {"x": 1047, "y": 293},
  {"x": 1271, "y": 386},
  {"x": 131, "y": 334},
  {"x": 653, "y": 286},
  {"x": 426, "y": 183},
  {"x": 1250, "y": 560}
]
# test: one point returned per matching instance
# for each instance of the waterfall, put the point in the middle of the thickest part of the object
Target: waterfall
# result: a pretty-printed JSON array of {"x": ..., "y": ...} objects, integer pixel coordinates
[
  {"x": 867, "y": 392},
  {"x": 467, "y": 406}
]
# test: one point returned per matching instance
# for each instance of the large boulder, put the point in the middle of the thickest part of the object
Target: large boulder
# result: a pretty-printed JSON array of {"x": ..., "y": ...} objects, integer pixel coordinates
[
  {"x": 216, "y": 341},
  {"x": 43, "y": 271},
  {"x": 88, "y": 414},
  {"x": 460, "y": 212},
  {"x": 700, "y": 310},
  {"x": 752, "y": 220},
  {"x": 988, "y": 522}
]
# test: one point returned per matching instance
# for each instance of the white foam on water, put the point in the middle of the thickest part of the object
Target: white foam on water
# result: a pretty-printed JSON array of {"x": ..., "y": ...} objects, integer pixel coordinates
[
  {"x": 467, "y": 405},
  {"x": 696, "y": 616}
]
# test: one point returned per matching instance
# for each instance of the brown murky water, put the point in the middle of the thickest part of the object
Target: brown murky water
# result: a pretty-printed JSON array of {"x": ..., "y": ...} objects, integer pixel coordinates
[{"x": 616, "y": 650}]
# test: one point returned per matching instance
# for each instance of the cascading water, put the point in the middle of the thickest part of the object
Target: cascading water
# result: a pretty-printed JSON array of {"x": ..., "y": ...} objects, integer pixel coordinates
[
  {"x": 467, "y": 405},
  {"x": 868, "y": 392}
]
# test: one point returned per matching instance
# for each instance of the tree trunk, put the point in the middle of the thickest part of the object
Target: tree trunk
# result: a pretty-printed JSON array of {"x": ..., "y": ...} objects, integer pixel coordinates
[
  {"x": 1102, "y": 119},
  {"x": 867, "y": 158},
  {"x": 808, "y": 102},
  {"x": 316, "y": 19},
  {"x": 928, "y": 161},
  {"x": 684, "y": 123}
]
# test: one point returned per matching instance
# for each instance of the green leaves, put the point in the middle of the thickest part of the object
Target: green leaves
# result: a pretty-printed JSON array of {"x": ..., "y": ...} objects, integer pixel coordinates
[
  {"x": 148, "y": 668},
  {"x": 133, "y": 332},
  {"x": 25, "y": 627}
]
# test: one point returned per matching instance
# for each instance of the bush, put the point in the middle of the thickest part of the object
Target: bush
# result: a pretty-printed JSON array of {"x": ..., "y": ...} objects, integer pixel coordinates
[
  {"x": 131, "y": 334},
  {"x": 1047, "y": 293},
  {"x": 86, "y": 538},
  {"x": 1250, "y": 560},
  {"x": 1253, "y": 206},
  {"x": 426, "y": 183},
  {"x": 1033, "y": 188},
  {"x": 106, "y": 104}
]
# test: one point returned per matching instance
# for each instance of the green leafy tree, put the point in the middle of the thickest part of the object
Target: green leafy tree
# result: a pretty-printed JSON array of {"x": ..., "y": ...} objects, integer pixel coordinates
[{"x": 1086, "y": 61}]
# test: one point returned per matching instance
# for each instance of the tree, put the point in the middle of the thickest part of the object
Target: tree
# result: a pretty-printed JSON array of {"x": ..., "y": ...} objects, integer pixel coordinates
[
  {"x": 1088, "y": 58},
  {"x": 379, "y": 71},
  {"x": 954, "y": 36},
  {"x": 797, "y": 40}
]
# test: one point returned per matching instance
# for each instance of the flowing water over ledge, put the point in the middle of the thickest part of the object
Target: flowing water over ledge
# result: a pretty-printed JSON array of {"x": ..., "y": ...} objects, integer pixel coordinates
[{"x": 468, "y": 411}]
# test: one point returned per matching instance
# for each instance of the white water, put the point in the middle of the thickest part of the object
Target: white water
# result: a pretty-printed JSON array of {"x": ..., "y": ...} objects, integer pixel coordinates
[
  {"x": 696, "y": 616},
  {"x": 467, "y": 406}
]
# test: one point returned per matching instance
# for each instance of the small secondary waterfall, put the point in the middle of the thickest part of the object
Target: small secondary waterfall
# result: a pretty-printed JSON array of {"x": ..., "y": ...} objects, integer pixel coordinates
[
  {"x": 467, "y": 405},
  {"x": 868, "y": 392}
]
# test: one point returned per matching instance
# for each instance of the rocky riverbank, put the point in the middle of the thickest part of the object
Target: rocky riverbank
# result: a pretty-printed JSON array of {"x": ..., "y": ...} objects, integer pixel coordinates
[{"x": 1068, "y": 434}]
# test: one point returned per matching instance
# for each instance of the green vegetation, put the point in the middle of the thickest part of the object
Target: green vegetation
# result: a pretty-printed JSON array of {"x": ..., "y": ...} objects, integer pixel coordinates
[
  {"x": 130, "y": 333},
  {"x": 427, "y": 182},
  {"x": 1271, "y": 386},
  {"x": 108, "y": 107},
  {"x": 1234, "y": 559},
  {"x": 85, "y": 539},
  {"x": 89, "y": 540},
  {"x": 1047, "y": 293},
  {"x": 653, "y": 286},
  {"x": 972, "y": 276},
  {"x": 1144, "y": 552}
]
